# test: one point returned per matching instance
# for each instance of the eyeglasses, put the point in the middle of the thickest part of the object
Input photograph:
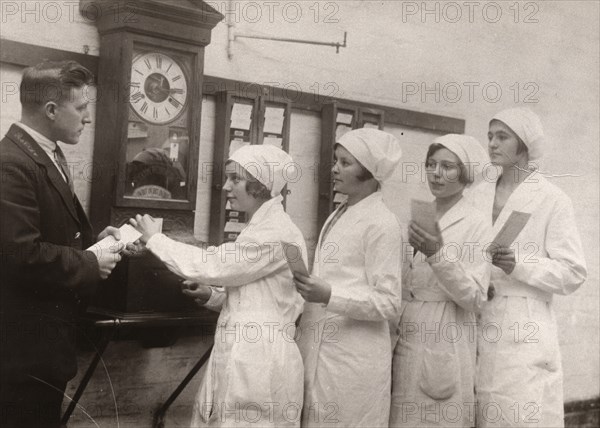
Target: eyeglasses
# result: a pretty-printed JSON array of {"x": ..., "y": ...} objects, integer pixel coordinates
[{"x": 444, "y": 165}]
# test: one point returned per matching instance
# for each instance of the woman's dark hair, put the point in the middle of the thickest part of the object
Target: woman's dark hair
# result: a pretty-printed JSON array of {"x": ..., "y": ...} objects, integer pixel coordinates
[
  {"x": 257, "y": 190},
  {"x": 253, "y": 187},
  {"x": 522, "y": 147},
  {"x": 463, "y": 176},
  {"x": 365, "y": 174}
]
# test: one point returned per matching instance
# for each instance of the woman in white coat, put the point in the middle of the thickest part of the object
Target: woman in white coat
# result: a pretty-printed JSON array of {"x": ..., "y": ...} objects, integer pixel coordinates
[
  {"x": 520, "y": 374},
  {"x": 434, "y": 359},
  {"x": 353, "y": 291},
  {"x": 254, "y": 374}
]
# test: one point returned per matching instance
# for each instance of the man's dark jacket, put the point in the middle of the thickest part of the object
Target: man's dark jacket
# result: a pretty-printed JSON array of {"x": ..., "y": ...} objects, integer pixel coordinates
[{"x": 44, "y": 272}]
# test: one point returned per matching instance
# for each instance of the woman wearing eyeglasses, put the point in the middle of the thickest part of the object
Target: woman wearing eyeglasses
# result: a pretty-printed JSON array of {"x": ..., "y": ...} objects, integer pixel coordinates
[{"x": 434, "y": 359}]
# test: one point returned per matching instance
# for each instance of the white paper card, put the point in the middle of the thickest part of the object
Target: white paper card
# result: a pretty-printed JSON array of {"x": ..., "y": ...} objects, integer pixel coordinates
[
  {"x": 274, "y": 117},
  {"x": 423, "y": 213},
  {"x": 236, "y": 226},
  {"x": 128, "y": 235},
  {"x": 345, "y": 118},
  {"x": 241, "y": 116},
  {"x": 293, "y": 255},
  {"x": 174, "y": 151},
  {"x": 159, "y": 220},
  {"x": 511, "y": 229}
]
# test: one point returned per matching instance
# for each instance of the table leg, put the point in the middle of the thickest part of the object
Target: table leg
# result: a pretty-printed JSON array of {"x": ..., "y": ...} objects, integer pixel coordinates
[
  {"x": 106, "y": 337},
  {"x": 160, "y": 414}
]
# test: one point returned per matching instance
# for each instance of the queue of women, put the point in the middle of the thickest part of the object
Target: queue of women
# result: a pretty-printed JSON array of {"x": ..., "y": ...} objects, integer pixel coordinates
[{"x": 374, "y": 346}]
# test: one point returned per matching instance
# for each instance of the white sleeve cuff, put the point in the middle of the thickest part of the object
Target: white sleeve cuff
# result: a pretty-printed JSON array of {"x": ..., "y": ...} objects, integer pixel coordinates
[
  {"x": 155, "y": 240},
  {"x": 336, "y": 302}
]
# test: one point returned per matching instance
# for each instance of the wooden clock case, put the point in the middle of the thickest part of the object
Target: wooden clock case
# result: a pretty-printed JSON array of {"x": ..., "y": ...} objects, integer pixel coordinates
[{"x": 180, "y": 29}]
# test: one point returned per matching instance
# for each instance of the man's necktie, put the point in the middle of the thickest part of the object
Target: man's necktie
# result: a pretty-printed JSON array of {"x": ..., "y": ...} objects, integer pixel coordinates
[{"x": 59, "y": 156}]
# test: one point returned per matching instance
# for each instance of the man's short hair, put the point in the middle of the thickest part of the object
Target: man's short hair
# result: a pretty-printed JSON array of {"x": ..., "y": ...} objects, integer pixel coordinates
[{"x": 52, "y": 81}]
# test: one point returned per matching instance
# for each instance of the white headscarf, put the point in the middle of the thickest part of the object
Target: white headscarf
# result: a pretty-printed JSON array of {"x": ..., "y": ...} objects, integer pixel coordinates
[
  {"x": 268, "y": 164},
  {"x": 527, "y": 125},
  {"x": 470, "y": 152},
  {"x": 378, "y": 151}
]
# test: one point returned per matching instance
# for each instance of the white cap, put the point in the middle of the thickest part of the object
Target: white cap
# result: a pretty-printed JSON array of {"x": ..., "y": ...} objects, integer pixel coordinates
[
  {"x": 527, "y": 125},
  {"x": 378, "y": 151},
  {"x": 470, "y": 152},
  {"x": 267, "y": 163}
]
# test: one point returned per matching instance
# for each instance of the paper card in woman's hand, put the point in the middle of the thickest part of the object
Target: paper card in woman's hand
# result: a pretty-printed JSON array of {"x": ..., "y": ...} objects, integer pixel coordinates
[
  {"x": 423, "y": 213},
  {"x": 293, "y": 255},
  {"x": 511, "y": 229},
  {"x": 128, "y": 235}
]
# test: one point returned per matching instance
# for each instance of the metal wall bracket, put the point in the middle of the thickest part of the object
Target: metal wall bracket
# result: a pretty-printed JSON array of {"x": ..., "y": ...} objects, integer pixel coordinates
[{"x": 233, "y": 37}]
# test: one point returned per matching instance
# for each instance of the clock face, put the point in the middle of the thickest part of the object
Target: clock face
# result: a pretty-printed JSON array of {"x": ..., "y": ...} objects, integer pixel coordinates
[{"x": 159, "y": 88}]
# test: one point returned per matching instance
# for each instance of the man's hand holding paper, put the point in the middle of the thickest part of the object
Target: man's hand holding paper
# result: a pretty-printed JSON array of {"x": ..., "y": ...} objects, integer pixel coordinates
[
  {"x": 112, "y": 241},
  {"x": 110, "y": 236}
]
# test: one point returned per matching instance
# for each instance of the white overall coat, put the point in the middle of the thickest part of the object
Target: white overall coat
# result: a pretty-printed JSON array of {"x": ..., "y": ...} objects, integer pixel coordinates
[
  {"x": 519, "y": 379},
  {"x": 346, "y": 345},
  {"x": 434, "y": 359},
  {"x": 254, "y": 374}
]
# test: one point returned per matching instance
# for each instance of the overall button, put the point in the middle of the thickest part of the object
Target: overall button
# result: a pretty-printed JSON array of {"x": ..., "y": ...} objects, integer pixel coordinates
[{"x": 77, "y": 235}]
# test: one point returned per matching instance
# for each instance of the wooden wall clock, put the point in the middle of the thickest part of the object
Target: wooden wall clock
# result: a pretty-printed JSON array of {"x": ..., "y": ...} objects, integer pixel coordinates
[
  {"x": 149, "y": 108},
  {"x": 159, "y": 87},
  {"x": 147, "y": 135},
  {"x": 158, "y": 169}
]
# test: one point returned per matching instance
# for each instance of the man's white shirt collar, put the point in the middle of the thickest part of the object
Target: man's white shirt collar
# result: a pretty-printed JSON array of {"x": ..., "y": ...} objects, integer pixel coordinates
[{"x": 47, "y": 145}]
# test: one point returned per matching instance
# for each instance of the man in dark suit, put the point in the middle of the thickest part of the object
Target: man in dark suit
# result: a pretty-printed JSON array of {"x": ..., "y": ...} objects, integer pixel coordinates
[{"x": 45, "y": 270}]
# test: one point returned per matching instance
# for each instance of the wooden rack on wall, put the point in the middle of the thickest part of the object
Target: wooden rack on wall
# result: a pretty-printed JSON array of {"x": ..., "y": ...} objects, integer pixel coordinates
[
  {"x": 24, "y": 54},
  {"x": 241, "y": 120}
]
